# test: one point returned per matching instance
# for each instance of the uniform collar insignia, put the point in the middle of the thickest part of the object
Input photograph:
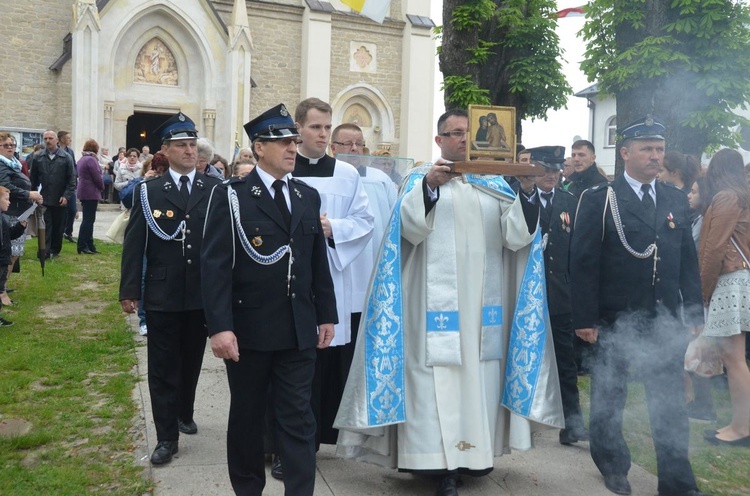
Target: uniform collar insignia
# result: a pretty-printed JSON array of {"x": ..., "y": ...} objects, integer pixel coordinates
[
  {"x": 255, "y": 191},
  {"x": 298, "y": 193},
  {"x": 167, "y": 186},
  {"x": 199, "y": 183}
]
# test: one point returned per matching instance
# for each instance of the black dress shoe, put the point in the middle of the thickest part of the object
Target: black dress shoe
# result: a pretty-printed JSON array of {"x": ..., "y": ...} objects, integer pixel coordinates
[
  {"x": 743, "y": 442},
  {"x": 69, "y": 237},
  {"x": 618, "y": 484},
  {"x": 448, "y": 486},
  {"x": 692, "y": 492},
  {"x": 277, "y": 471},
  {"x": 86, "y": 251},
  {"x": 573, "y": 435},
  {"x": 188, "y": 427},
  {"x": 164, "y": 451}
]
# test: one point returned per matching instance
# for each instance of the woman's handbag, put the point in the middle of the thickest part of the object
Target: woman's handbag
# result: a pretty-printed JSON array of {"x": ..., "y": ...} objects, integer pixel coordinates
[
  {"x": 116, "y": 231},
  {"x": 703, "y": 358}
]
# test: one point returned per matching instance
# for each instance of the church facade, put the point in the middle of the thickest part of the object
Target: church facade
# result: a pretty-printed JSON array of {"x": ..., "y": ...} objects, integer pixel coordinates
[{"x": 113, "y": 70}]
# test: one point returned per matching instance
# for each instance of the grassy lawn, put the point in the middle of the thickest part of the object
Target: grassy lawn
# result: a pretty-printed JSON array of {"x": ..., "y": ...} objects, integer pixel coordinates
[
  {"x": 67, "y": 367},
  {"x": 720, "y": 471}
]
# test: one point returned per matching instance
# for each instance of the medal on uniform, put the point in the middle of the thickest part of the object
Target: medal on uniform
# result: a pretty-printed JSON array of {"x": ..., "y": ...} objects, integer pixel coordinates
[
  {"x": 565, "y": 218},
  {"x": 169, "y": 214},
  {"x": 257, "y": 241},
  {"x": 670, "y": 218},
  {"x": 157, "y": 214}
]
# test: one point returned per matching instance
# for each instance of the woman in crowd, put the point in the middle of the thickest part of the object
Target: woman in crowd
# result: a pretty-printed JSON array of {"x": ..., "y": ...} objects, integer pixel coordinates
[
  {"x": 725, "y": 277},
  {"x": 680, "y": 170},
  {"x": 90, "y": 187},
  {"x": 221, "y": 165},
  {"x": 21, "y": 196},
  {"x": 702, "y": 405},
  {"x": 128, "y": 171},
  {"x": 105, "y": 162}
]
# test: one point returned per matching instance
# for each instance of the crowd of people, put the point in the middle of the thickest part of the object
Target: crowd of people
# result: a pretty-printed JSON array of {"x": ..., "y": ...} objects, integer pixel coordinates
[{"x": 425, "y": 322}]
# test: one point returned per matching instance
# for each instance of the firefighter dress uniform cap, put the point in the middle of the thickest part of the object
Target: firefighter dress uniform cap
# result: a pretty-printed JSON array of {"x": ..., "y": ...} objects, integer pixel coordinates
[
  {"x": 551, "y": 157},
  {"x": 275, "y": 123},
  {"x": 177, "y": 127},
  {"x": 647, "y": 127}
]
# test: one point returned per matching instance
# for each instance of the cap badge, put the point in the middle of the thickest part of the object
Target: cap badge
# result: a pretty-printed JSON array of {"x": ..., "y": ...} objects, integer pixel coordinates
[
  {"x": 181, "y": 117},
  {"x": 283, "y": 111},
  {"x": 649, "y": 120}
]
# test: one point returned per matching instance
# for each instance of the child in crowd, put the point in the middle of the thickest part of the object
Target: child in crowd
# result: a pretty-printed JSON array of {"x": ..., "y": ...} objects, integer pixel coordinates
[{"x": 7, "y": 232}]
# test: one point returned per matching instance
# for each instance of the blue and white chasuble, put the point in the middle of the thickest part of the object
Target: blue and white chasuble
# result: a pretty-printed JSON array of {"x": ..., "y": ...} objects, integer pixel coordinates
[{"x": 394, "y": 361}]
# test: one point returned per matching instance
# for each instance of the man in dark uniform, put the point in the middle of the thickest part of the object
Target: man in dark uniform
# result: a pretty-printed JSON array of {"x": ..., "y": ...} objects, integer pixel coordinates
[
  {"x": 165, "y": 226},
  {"x": 269, "y": 303},
  {"x": 556, "y": 210},
  {"x": 586, "y": 173},
  {"x": 633, "y": 265}
]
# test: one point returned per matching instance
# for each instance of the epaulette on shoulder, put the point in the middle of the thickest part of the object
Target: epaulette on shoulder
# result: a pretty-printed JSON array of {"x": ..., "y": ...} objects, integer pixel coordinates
[
  {"x": 598, "y": 188},
  {"x": 233, "y": 180},
  {"x": 301, "y": 182}
]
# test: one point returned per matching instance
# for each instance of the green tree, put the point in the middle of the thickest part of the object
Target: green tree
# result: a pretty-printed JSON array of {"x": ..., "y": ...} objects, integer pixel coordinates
[
  {"x": 684, "y": 60},
  {"x": 502, "y": 52}
]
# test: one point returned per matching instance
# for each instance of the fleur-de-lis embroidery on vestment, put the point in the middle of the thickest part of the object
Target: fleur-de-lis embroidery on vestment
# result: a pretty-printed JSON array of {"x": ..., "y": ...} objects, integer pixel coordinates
[
  {"x": 493, "y": 315},
  {"x": 442, "y": 320}
]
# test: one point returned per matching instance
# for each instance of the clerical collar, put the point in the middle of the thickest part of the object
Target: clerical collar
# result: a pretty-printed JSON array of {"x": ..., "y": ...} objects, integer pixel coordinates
[{"x": 312, "y": 161}]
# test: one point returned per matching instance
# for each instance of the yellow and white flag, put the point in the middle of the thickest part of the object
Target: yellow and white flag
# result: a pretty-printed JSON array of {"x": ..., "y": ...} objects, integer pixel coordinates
[{"x": 374, "y": 9}]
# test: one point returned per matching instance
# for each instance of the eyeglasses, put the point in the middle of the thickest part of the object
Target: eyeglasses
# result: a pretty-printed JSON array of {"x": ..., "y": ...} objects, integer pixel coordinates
[
  {"x": 454, "y": 134},
  {"x": 351, "y": 144},
  {"x": 9, "y": 145},
  {"x": 284, "y": 141}
]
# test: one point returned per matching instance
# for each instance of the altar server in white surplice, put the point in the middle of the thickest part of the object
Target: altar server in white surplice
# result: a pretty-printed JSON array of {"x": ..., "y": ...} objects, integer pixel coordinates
[
  {"x": 460, "y": 330},
  {"x": 381, "y": 192},
  {"x": 347, "y": 224}
]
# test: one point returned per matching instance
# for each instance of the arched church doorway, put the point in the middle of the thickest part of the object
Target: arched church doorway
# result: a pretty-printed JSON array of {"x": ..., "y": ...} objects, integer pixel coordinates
[{"x": 140, "y": 130}]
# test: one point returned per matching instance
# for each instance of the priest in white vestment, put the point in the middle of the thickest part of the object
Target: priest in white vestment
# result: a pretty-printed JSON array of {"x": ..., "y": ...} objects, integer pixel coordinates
[
  {"x": 347, "y": 224},
  {"x": 436, "y": 357}
]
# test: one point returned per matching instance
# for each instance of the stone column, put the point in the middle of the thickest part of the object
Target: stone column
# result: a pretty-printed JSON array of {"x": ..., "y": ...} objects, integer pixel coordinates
[
  {"x": 316, "y": 54},
  {"x": 87, "y": 111},
  {"x": 417, "y": 81},
  {"x": 238, "y": 68},
  {"x": 209, "y": 123},
  {"x": 109, "y": 108}
]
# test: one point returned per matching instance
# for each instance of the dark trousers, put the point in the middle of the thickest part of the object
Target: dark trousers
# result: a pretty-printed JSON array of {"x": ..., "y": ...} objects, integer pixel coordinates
[
  {"x": 289, "y": 372},
  {"x": 86, "y": 231},
  {"x": 72, "y": 208},
  {"x": 331, "y": 372},
  {"x": 657, "y": 356},
  {"x": 176, "y": 343},
  {"x": 54, "y": 220},
  {"x": 563, "y": 338}
]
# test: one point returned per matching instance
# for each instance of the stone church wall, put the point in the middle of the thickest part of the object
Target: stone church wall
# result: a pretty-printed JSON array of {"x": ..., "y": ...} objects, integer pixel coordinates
[{"x": 33, "y": 96}]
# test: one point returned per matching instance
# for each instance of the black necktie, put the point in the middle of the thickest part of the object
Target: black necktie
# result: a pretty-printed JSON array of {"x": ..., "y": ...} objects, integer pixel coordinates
[
  {"x": 278, "y": 186},
  {"x": 648, "y": 203},
  {"x": 184, "y": 190},
  {"x": 548, "y": 205}
]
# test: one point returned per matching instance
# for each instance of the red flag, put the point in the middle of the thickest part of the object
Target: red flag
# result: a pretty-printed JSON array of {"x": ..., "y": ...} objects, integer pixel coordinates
[{"x": 571, "y": 12}]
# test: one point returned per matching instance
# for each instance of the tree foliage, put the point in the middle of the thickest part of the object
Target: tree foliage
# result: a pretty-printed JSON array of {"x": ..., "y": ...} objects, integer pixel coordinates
[
  {"x": 684, "y": 60},
  {"x": 502, "y": 52}
]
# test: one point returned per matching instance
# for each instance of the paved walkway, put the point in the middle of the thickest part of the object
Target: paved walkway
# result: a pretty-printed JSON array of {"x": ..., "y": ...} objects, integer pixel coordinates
[{"x": 200, "y": 468}]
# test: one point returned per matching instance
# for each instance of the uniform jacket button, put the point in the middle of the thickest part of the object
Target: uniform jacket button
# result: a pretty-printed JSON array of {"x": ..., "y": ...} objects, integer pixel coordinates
[
  {"x": 294, "y": 295},
  {"x": 187, "y": 216},
  {"x": 187, "y": 231},
  {"x": 189, "y": 261},
  {"x": 189, "y": 247}
]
